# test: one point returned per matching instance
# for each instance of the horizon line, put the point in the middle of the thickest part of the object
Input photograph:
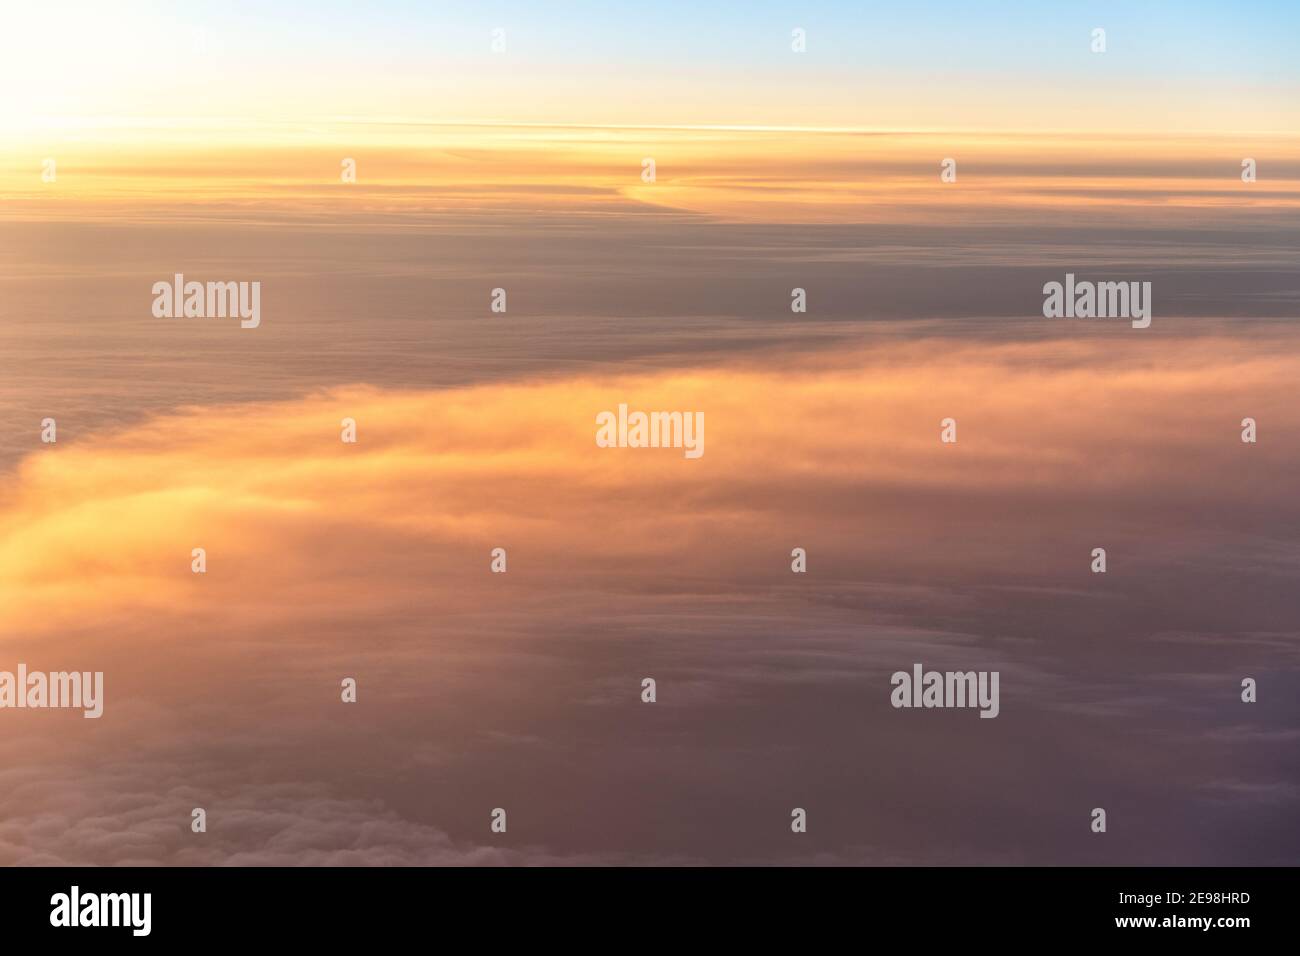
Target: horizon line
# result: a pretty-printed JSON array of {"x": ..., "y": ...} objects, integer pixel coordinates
[{"x": 166, "y": 122}]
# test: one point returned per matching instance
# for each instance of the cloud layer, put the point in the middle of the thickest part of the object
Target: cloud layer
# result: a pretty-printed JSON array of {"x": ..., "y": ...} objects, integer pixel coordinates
[{"x": 477, "y": 690}]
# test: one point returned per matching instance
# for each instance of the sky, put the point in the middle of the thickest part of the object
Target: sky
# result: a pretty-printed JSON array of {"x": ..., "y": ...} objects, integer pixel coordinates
[
  {"x": 210, "y": 140},
  {"x": 950, "y": 66}
]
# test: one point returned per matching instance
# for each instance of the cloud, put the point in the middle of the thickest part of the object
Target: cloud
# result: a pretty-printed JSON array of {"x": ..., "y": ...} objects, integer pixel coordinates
[
  {"x": 476, "y": 690},
  {"x": 100, "y": 816}
]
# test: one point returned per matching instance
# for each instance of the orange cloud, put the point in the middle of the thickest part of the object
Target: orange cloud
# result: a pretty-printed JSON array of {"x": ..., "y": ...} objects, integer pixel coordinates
[
  {"x": 292, "y": 517},
  {"x": 755, "y": 174}
]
